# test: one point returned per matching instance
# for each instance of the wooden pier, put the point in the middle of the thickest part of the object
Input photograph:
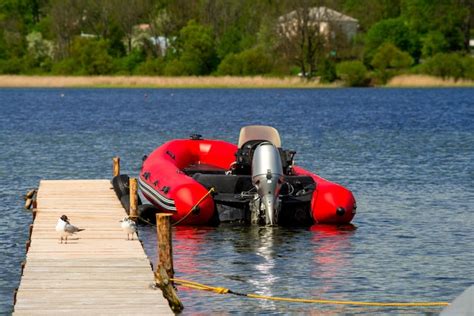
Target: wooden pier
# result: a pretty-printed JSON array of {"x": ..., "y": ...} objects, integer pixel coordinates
[{"x": 98, "y": 271}]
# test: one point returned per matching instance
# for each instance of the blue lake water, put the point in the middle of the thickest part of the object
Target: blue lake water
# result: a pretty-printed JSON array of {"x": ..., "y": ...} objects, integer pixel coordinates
[{"x": 407, "y": 154}]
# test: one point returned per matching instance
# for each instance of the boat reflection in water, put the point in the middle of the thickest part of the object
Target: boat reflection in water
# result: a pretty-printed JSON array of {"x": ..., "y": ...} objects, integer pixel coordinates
[
  {"x": 265, "y": 270},
  {"x": 272, "y": 261},
  {"x": 189, "y": 245},
  {"x": 331, "y": 246}
]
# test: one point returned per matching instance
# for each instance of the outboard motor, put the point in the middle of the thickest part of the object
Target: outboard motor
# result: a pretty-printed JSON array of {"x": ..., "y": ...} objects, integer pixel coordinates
[{"x": 267, "y": 177}]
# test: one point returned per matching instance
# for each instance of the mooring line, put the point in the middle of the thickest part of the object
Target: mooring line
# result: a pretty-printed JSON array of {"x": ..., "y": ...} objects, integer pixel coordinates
[{"x": 223, "y": 290}]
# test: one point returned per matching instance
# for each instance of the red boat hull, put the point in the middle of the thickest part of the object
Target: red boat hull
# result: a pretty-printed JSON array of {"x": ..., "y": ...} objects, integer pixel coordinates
[{"x": 165, "y": 184}]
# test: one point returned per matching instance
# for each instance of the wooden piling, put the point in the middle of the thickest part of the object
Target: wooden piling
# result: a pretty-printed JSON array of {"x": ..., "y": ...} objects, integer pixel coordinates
[
  {"x": 28, "y": 203},
  {"x": 164, "y": 267},
  {"x": 22, "y": 265},
  {"x": 164, "y": 242},
  {"x": 116, "y": 166},
  {"x": 29, "y": 194},
  {"x": 133, "y": 198}
]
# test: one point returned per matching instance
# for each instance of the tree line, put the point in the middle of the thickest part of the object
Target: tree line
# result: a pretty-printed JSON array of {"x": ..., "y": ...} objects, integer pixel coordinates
[{"x": 238, "y": 37}]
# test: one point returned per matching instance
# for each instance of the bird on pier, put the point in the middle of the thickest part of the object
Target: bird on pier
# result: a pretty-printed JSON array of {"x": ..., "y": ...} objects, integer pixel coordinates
[
  {"x": 65, "y": 228},
  {"x": 128, "y": 226}
]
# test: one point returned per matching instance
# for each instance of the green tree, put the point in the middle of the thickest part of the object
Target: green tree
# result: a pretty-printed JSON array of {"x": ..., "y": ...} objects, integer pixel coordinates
[
  {"x": 249, "y": 62},
  {"x": 15, "y": 21},
  {"x": 445, "y": 66},
  {"x": 151, "y": 67},
  {"x": 389, "y": 56},
  {"x": 128, "y": 64},
  {"x": 369, "y": 12},
  {"x": 97, "y": 18},
  {"x": 195, "y": 51},
  {"x": 13, "y": 65},
  {"x": 230, "y": 66},
  {"x": 301, "y": 38},
  {"x": 92, "y": 56},
  {"x": 229, "y": 42},
  {"x": 40, "y": 51},
  {"x": 65, "y": 23},
  {"x": 3, "y": 46},
  {"x": 394, "y": 31},
  {"x": 327, "y": 70},
  {"x": 353, "y": 73},
  {"x": 450, "y": 17},
  {"x": 389, "y": 60},
  {"x": 468, "y": 67},
  {"x": 433, "y": 43}
]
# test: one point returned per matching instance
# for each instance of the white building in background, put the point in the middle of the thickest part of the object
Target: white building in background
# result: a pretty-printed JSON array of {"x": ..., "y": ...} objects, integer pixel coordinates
[
  {"x": 471, "y": 46},
  {"x": 143, "y": 32},
  {"x": 330, "y": 21}
]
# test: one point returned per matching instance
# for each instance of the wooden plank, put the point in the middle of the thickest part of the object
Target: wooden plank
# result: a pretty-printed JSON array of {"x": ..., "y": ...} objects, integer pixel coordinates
[
  {"x": 99, "y": 271},
  {"x": 90, "y": 262},
  {"x": 75, "y": 312}
]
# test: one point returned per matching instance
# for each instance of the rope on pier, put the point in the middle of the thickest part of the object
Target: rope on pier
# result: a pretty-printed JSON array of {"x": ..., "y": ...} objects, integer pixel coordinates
[
  {"x": 222, "y": 290},
  {"x": 211, "y": 190},
  {"x": 195, "y": 206}
]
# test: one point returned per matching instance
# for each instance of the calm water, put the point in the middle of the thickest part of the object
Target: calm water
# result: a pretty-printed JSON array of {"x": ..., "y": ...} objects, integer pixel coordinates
[{"x": 408, "y": 156}]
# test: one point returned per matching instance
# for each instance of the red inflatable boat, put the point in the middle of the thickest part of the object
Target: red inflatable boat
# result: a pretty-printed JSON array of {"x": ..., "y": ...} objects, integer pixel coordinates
[{"x": 204, "y": 182}]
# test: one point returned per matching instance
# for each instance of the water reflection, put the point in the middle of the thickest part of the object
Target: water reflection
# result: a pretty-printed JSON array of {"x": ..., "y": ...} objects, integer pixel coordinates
[
  {"x": 266, "y": 274},
  {"x": 331, "y": 244},
  {"x": 188, "y": 243}
]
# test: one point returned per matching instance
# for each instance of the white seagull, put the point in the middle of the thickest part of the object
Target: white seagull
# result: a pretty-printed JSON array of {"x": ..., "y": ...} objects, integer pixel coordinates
[
  {"x": 128, "y": 226},
  {"x": 65, "y": 229}
]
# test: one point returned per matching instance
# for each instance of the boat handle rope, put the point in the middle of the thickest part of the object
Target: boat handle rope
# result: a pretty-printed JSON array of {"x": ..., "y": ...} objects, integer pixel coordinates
[
  {"x": 222, "y": 290},
  {"x": 211, "y": 190}
]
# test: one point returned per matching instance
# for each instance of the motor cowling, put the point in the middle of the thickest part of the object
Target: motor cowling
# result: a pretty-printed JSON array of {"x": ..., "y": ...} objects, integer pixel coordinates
[{"x": 267, "y": 177}]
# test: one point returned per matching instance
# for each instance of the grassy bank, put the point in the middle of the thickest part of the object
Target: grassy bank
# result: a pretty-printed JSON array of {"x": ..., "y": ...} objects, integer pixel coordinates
[
  {"x": 427, "y": 81},
  {"x": 158, "y": 82},
  {"x": 207, "y": 82}
]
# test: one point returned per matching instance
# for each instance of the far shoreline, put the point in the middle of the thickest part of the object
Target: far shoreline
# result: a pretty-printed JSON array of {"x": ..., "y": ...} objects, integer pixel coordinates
[{"x": 24, "y": 81}]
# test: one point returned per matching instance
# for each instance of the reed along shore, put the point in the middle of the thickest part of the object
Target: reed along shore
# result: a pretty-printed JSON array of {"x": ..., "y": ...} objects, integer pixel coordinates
[
  {"x": 158, "y": 82},
  {"x": 22, "y": 81}
]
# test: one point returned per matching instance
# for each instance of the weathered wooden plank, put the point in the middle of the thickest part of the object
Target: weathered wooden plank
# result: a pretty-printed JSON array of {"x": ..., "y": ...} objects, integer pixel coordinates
[
  {"x": 93, "y": 292},
  {"x": 96, "y": 310},
  {"x": 84, "y": 284},
  {"x": 80, "y": 262},
  {"x": 132, "y": 270},
  {"x": 101, "y": 276},
  {"x": 88, "y": 312},
  {"x": 86, "y": 302}
]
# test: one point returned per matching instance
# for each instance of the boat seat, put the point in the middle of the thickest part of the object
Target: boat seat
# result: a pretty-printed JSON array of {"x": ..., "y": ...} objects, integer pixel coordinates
[{"x": 259, "y": 132}]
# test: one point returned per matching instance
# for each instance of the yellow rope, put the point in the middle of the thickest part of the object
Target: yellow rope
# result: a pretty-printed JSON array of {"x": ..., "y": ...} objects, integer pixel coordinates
[
  {"x": 221, "y": 290},
  {"x": 194, "y": 207},
  {"x": 146, "y": 221},
  {"x": 359, "y": 303}
]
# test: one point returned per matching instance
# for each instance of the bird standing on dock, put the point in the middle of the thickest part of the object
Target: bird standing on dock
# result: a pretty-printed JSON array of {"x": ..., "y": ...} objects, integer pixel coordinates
[
  {"x": 128, "y": 226},
  {"x": 66, "y": 229}
]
